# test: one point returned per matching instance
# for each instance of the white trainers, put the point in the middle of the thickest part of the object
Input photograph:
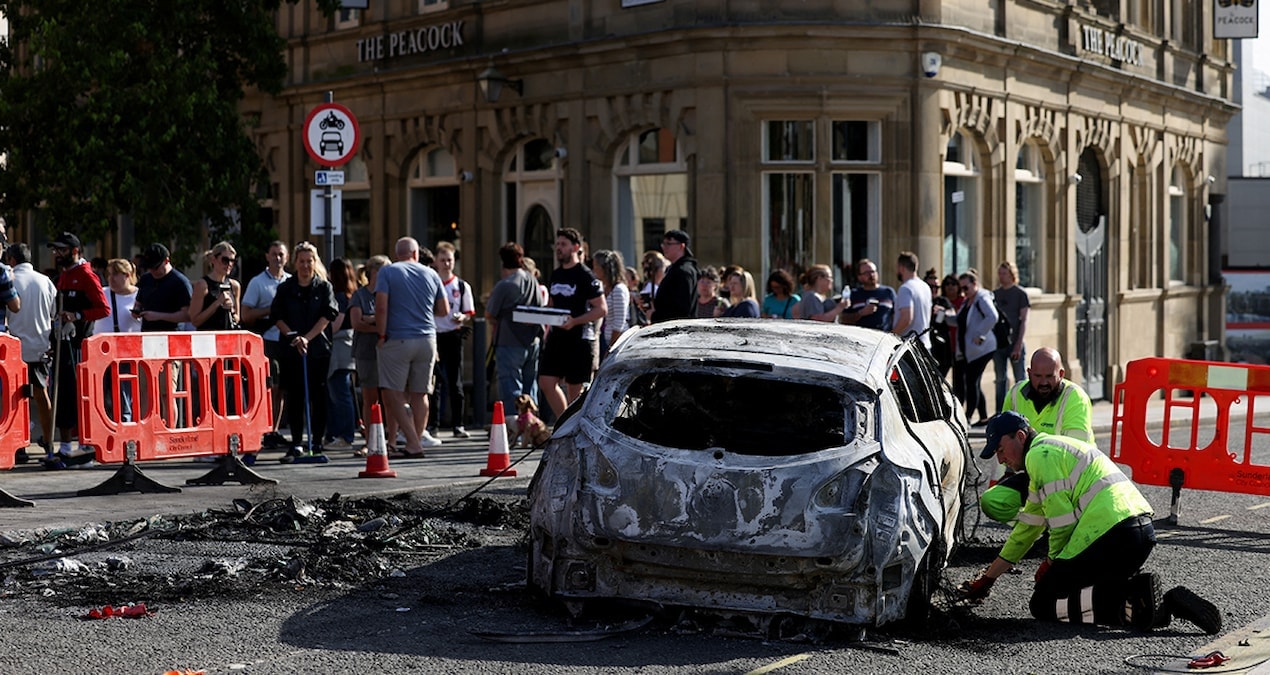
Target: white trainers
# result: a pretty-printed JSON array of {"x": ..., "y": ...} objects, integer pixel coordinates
[{"x": 427, "y": 440}]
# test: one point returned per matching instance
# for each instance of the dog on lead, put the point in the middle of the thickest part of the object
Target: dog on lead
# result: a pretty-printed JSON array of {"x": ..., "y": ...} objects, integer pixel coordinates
[{"x": 526, "y": 426}]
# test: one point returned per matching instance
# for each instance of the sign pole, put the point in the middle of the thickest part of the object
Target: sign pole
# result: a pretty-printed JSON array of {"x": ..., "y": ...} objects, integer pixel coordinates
[{"x": 328, "y": 194}]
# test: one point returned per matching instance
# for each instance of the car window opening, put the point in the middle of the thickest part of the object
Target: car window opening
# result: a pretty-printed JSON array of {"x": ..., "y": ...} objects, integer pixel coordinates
[{"x": 746, "y": 415}]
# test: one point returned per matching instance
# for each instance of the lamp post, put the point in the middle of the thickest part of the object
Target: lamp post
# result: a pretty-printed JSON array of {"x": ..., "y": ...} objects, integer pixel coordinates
[{"x": 492, "y": 82}]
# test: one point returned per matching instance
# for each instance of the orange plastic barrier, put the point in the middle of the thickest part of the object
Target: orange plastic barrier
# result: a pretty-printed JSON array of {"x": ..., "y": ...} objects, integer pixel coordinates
[
  {"x": 145, "y": 396},
  {"x": 1189, "y": 450},
  {"x": 15, "y": 413}
]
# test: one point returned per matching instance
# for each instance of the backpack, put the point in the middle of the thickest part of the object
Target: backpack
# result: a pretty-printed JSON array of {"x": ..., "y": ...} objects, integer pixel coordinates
[{"x": 1001, "y": 331}]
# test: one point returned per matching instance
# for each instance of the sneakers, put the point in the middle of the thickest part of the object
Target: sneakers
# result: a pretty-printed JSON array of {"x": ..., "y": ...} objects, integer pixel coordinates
[
  {"x": 1183, "y": 603},
  {"x": 460, "y": 432},
  {"x": 1142, "y": 601},
  {"x": 64, "y": 448},
  {"x": 427, "y": 440},
  {"x": 20, "y": 457},
  {"x": 338, "y": 444}
]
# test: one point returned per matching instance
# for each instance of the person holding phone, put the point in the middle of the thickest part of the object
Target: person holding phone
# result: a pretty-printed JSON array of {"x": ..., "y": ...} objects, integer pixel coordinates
[{"x": 220, "y": 293}]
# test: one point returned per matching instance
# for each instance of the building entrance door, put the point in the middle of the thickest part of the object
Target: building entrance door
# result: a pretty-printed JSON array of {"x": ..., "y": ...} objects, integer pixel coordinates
[{"x": 1091, "y": 275}]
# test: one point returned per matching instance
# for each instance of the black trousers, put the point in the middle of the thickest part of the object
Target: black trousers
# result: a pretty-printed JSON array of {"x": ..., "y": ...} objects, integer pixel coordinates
[
  {"x": 293, "y": 366},
  {"x": 1104, "y": 567},
  {"x": 973, "y": 393},
  {"x": 450, "y": 378}
]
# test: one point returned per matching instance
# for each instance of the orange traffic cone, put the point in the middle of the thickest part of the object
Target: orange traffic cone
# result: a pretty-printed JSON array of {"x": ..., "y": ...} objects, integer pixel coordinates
[
  {"x": 499, "y": 459},
  {"x": 376, "y": 448}
]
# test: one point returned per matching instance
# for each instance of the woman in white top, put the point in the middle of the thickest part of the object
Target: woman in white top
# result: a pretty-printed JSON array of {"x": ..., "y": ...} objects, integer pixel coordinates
[
  {"x": 610, "y": 269},
  {"x": 121, "y": 295}
]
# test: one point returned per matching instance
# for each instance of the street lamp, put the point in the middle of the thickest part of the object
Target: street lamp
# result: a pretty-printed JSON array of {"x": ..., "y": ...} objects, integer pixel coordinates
[{"x": 492, "y": 83}]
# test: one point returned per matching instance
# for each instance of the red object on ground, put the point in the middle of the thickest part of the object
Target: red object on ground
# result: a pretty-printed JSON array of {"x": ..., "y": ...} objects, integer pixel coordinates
[
  {"x": 499, "y": 461},
  {"x": 376, "y": 450},
  {"x": 124, "y": 611}
]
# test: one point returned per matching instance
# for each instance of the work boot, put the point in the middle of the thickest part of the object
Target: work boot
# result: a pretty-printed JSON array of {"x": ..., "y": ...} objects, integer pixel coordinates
[
  {"x": 1143, "y": 600},
  {"x": 1183, "y": 603},
  {"x": 292, "y": 453}
]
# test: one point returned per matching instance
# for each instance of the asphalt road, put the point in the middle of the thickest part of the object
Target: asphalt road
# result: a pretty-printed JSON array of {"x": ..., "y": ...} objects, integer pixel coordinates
[{"x": 423, "y": 621}]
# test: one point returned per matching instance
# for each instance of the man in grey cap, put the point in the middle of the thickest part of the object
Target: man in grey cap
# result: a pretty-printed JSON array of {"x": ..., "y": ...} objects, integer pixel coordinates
[
  {"x": 1100, "y": 535},
  {"x": 677, "y": 295}
]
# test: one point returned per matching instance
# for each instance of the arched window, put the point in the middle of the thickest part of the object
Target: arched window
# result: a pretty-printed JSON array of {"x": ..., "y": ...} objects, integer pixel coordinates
[
  {"x": 433, "y": 194},
  {"x": 1179, "y": 203},
  {"x": 651, "y": 188},
  {"x": 961, "y": 204},
  {"x": 1029, "y": 214},
  {"x": 532, "y": 181}
]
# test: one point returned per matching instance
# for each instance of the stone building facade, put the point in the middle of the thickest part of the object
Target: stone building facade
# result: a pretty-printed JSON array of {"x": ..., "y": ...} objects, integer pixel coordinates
[{"x": 1079, "y": 139}]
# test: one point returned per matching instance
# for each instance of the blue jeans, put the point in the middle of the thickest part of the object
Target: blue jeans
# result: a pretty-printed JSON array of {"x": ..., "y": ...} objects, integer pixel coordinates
[
  {"x": 343, "y": 420},
  {"x": 517, "y": 374},
  {"x": 999, "y": 360}
]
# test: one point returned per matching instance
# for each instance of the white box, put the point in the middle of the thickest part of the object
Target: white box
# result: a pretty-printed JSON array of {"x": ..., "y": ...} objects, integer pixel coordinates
[{"x": 549, "y": 316}]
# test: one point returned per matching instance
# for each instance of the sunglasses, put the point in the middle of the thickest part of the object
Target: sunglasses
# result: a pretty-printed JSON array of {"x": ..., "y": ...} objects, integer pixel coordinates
[
  {"x": 965, "y": 288},
  {"x": 228, "y": 260}
]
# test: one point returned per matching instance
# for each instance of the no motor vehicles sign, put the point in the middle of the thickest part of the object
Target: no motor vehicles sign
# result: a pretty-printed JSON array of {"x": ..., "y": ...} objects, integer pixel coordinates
[{"x": 331, "y": 134}]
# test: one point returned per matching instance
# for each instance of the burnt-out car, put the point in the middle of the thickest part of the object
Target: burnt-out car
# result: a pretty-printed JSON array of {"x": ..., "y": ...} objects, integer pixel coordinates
[{"x": 754, "y": 466}]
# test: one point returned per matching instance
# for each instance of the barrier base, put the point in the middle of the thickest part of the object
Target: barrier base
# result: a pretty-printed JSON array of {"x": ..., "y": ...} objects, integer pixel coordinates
[
  {"x": 128, "y": 478},
  {"x": 8, "y": 501},
  {"x": 231, "y": 467}
]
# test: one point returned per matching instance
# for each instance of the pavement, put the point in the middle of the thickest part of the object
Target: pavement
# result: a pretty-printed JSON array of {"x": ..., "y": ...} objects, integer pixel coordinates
[{"x": 456, "y": 463}]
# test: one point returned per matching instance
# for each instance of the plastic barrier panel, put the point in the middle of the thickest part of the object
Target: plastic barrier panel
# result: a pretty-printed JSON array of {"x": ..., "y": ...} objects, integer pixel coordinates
[
  {"x": 1190, "y": 450},
  {"x": 15, "y": 412},
  {"x": 168, "y": 395}
]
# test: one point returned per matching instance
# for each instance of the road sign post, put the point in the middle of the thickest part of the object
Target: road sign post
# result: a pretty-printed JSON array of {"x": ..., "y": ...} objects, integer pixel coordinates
[{"x": 331, "y": 137}]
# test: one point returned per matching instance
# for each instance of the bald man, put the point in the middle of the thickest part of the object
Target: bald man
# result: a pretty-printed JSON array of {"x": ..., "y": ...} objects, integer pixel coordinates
[{"x": 1051, "y": 404}]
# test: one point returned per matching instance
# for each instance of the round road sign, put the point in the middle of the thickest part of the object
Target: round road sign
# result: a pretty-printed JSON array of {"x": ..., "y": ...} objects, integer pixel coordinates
[{"x": 331, "y": 134}]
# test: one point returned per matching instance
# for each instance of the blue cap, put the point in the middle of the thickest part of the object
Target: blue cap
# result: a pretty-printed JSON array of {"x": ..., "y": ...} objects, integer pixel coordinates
[{"x": 1001, "y": 425}]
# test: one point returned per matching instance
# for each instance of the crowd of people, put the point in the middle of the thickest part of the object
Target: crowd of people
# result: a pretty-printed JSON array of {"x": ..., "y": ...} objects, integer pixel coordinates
[{"x": 396, "y": 328}]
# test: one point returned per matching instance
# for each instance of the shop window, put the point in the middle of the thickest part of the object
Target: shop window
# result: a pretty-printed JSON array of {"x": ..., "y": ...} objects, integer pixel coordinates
[
  {"x": 426, "y": 6},
  {"x": 1186, "y": 22},
  {"x": 1140, "y": 229},
  {"x": 789, "y": 141},
  {"x": 651, "y": 190},
  {"x": 1178, "y": 212},
  {"x": 1029, "y": 214},
  {"x": 789, "y": 217},
  {"x": 961, "y": 204},
  {"x": 347, "y": 18},
  {"x": 856, "y": 141},
  {"x": 356, "y": 210},
  {"x": 433, "y": 191},
  {"x": 1142, "y": 14},
  {"x": 857, "y": 230}
]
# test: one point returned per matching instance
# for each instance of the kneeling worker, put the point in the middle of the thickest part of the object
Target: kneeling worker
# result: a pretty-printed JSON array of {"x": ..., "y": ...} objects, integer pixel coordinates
[{"x": 1100, "y": 534}]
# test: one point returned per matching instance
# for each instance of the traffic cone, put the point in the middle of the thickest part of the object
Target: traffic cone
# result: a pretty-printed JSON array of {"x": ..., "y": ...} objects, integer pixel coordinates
[
  {"x": 376, "y": 448},
  {"x": 499, "y": 459}
]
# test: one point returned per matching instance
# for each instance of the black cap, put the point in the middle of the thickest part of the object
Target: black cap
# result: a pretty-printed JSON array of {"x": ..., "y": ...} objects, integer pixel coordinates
[
  {"x": 1001, "y": 425},
  {"x": 154, "y": 255},
  {"x": 677, "y": 235},
  {"x": 65, "y": 240}
]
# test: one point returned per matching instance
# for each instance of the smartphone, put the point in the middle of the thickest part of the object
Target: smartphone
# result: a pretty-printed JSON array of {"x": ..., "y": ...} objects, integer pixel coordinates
[{"x": 136, "y": 310}]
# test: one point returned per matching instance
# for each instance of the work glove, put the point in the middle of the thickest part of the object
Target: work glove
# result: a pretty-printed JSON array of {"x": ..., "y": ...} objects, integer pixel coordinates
[
  {"x": 1043, "y": 568},
  {"x": 67, "y": 331},
  {"x": 977, "y": 590}
]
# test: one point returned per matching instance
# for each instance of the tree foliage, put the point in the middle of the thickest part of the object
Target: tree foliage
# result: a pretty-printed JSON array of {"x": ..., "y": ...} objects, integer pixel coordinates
[{"x": 114, "y": 107}]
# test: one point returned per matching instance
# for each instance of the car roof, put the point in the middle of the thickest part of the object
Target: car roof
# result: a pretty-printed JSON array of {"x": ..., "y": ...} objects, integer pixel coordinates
[{"x": 857, "y": 353}]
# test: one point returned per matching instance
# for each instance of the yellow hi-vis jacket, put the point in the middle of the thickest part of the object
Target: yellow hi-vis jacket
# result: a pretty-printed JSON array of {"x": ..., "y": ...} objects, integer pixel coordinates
[
  {"x": 1074, "y": 490},
  {"x": 1069, "y": 414}
]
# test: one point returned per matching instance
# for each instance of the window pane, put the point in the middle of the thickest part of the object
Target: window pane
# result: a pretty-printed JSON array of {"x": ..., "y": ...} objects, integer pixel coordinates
[
  {"x": 790, "y": 219},
  {"x": 356, "y": 225},
  {"x": 852, "y": 219},
  {"x": 440, "y": 164},
  {"x": 789, "y": 142},
  {"x": 1177, "y": 219},
  {"x": 1027, "y": 232},
  {"x": 851, "y": 142},
  {"x": 959, "y": 223},
  {"x": 539, "y": 155}
]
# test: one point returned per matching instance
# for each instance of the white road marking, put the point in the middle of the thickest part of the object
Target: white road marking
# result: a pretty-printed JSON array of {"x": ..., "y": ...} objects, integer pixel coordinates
[
  {"x": 788, "y": 661},
  {"x": 1213, "y": 519},
  {"x": 1262, "y": 505}
]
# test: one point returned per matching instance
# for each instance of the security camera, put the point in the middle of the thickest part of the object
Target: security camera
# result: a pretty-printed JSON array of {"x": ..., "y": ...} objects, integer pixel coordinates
[
  {"x": 562, "y": 152},
  {"x": 1075, "y": 179},
  {"x": 930, "y": 63},
  {"x": 466, "y": 177}
]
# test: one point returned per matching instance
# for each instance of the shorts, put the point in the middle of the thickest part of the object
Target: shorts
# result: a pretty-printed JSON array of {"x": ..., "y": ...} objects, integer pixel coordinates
[
  {"x": 406, "y": 365},
  {"x": 574, "y": 360},
  {"x": 273, "y": 352},
  {"x": 37, "y": 373},
  {"x": 367, "y": 373}
]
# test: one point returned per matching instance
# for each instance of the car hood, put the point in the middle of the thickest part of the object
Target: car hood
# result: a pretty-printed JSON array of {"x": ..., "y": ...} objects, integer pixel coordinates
[{"x": 638, "y": 492}]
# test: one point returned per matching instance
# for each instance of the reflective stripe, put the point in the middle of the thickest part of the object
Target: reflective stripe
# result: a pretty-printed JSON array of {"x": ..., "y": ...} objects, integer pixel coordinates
[
  {"x": 1031, "y": 518},
  {"x": 1062, "y": 521},
  {"x": 1084, "y": 601},
  {"x": 1055, "y": 487},
  {"x": 1087, "y": 604},
  {"x": 1098, "y": 486},
  {"x": 1059, "y": 427}
]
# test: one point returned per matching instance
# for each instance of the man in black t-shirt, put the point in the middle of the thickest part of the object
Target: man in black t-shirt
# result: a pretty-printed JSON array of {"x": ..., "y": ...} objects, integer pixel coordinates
[
  {"x": 571, "y": 352},
  {"x": 163, "y": 295}
]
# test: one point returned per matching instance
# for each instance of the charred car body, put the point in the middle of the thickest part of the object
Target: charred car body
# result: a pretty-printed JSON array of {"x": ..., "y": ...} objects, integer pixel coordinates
[{"x": 771, "y": 467}]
